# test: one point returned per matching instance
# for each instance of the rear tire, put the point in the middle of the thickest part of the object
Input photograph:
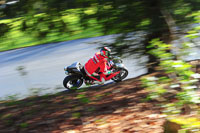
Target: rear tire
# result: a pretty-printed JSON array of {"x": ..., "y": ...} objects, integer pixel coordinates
[
  {"x": 72, "y": 82},
  {"x": 122, "y": 75}
]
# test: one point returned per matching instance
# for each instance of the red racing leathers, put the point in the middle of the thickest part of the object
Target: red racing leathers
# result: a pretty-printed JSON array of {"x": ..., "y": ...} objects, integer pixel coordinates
[{"x": 96, "y": 64}]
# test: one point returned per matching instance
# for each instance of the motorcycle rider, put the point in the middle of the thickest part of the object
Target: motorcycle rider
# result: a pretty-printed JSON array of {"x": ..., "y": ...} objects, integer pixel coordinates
[{"x": 96, "y": 66}]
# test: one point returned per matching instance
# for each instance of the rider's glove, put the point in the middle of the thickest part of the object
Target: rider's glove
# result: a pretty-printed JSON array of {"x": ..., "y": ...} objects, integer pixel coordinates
[{"x": 110, "y": 72}]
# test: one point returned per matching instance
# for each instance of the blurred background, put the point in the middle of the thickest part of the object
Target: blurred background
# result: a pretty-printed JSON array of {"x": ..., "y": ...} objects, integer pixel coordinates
[
  {"x": 73, "y": 30},
  {"x": 158, "y": 41}
]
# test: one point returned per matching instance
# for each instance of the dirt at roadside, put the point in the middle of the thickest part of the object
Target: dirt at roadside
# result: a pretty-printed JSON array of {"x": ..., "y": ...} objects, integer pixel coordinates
[{"x": 112, "y": 108}]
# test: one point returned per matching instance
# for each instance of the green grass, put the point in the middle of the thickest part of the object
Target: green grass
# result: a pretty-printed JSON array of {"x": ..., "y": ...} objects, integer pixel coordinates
[{"x": 15, "y": 38}]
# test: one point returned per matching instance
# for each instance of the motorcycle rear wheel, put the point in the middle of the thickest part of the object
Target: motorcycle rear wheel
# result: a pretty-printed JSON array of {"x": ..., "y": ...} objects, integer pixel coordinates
[{"x": 72, "y": 82}]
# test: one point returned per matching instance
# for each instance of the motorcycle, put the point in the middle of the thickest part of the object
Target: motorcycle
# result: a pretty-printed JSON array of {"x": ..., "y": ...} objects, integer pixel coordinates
[{"x": 76, "y": 74}]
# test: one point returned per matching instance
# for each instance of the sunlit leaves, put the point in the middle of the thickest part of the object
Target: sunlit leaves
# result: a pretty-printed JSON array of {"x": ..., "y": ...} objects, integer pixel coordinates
[
  {"x": 160, "y": 49},
  {"x": 187, "y": 122},
  {"x": 196, "y": 16},
  {"x": 144, "y": 23},
  {"x": 194, "y": 33},
  {"x": 180, "y": 81},
  {"x": 183, "y": 9}
]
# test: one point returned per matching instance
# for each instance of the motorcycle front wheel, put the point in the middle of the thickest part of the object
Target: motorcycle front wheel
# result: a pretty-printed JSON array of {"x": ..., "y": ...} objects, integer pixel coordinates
[
  {"x": 122, "y": 75},
  {"x": 72, "y": 82}
]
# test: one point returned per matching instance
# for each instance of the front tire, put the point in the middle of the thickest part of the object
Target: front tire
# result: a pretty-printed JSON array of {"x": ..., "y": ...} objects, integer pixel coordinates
[
  {"x": 72, "y": 82},
  {"x": 122, "y": 75}
]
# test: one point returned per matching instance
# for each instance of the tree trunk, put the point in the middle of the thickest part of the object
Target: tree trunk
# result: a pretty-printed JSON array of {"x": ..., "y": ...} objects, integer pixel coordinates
[
  {"x": 161, "y": 18},
  {"x": 171, "y": 25}
]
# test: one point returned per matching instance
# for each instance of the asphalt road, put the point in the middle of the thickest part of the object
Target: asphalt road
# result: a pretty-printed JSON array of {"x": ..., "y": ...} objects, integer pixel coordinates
[{"x": 44, "y": 65}]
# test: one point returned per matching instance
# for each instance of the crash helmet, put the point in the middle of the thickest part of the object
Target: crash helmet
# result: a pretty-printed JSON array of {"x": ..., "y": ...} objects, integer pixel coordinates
[{"x": 105, "y": 51}]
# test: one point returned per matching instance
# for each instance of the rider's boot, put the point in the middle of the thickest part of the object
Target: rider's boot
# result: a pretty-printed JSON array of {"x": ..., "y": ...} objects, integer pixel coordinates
[
  {"x": 100, "y": 82},
  {"x": 87, "y": 83}
]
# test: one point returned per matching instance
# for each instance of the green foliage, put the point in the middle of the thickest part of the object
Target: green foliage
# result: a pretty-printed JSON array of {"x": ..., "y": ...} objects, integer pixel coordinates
[
  {"x": 9, "y": 122},
  {"x": 12, "y": 103},
  {"x": 196, "y": 16},
  {"x": 76, "y": 115},
  {"x": 91, "y": 109},
  {"x": 35, "y": 91},
  {"x": 184, "y": 9},
  {"x": 82, "y": 90},
  {"x": 29, "y": 104},
  {"x": 38, "y": 22},
  {"x": 171, "y": 109},
  {"x": 13, "y": 97},
  {"x": 99, "y": 96},
  {"x": 188, "y": 97},
  {"x": 46, "y": 96},
  {"x": 23, "y": 125},
  {"x": 160, "y": 49},
  {"x": 6, "y": 116},
  {"x": 190, "y": 122},
  {"x": 12, "y": 100},
  {"x": 194, "y": 33},
  {"x": 155, "y": 86},
  {"x": 83, "y": 99},
  {"x": 176, "y": 74},
  {"x": 107, "y": 93},
  {"x": 39, "y": 28}
]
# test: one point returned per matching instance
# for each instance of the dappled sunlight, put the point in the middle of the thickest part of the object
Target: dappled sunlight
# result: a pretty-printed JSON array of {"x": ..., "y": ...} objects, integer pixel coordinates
[{"x": 106, "y": 109}]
